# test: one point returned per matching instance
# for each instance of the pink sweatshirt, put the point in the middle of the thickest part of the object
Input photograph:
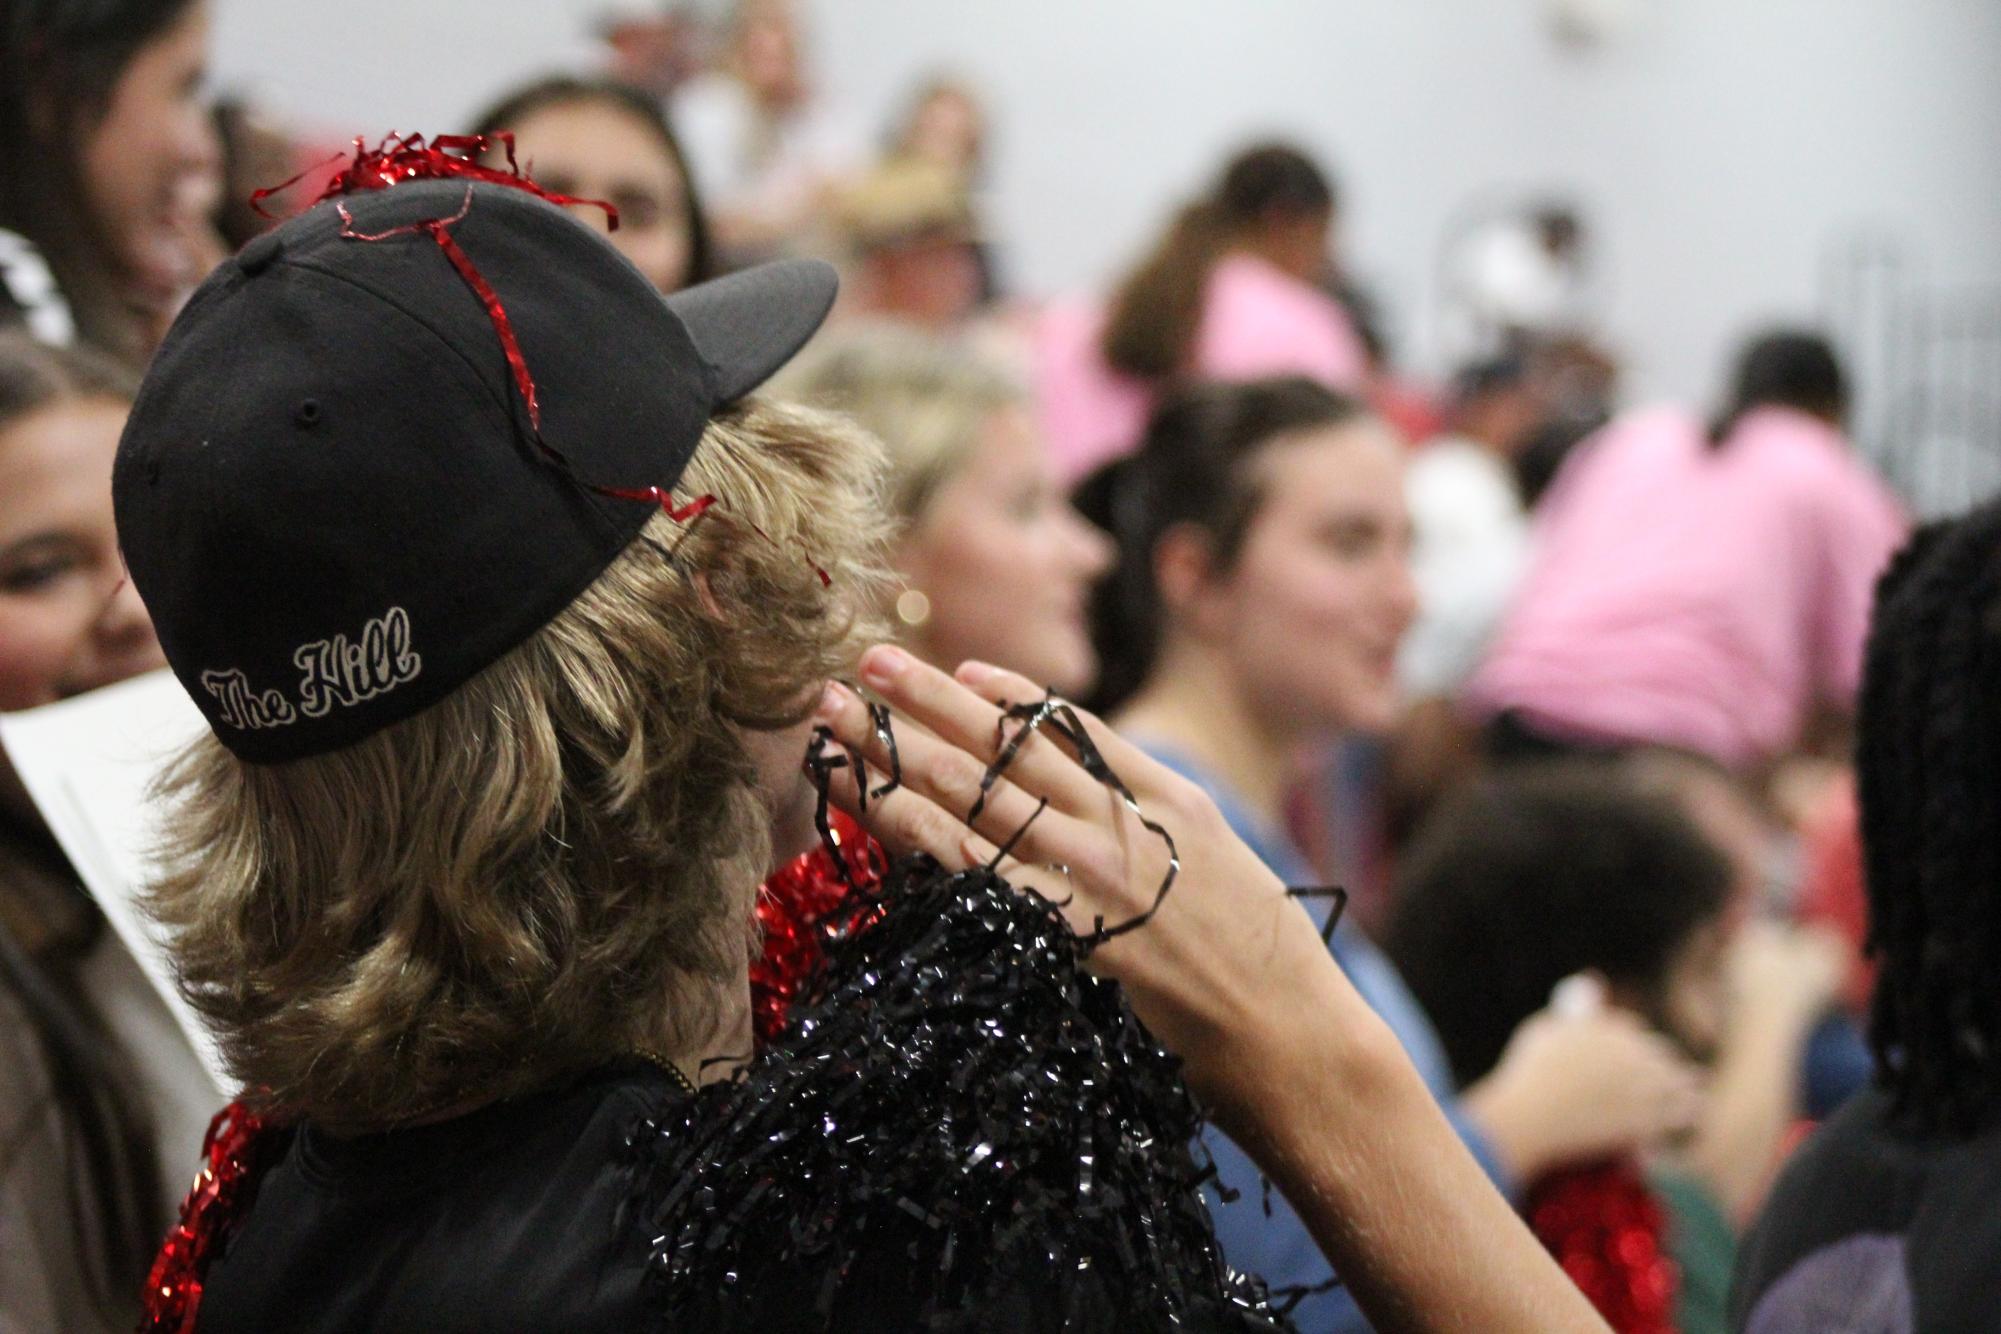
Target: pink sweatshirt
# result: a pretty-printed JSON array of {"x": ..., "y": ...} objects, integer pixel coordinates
[
  {"x": 1695, "y": 597},
  {"x": 1256, "y": 320}
]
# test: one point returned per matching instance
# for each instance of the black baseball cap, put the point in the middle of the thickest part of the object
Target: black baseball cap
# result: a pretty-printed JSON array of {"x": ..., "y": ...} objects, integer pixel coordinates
[{"x": 330, "y": 494}]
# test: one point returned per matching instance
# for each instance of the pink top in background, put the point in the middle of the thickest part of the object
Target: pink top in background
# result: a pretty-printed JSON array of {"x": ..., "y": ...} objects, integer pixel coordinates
[
  {"x": 1256, "y": 320},
  {"x": 1695, "y": 597}
]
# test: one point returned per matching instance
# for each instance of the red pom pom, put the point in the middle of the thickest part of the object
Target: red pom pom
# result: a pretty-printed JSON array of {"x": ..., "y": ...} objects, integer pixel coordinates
[
  {"x": 805, "y": 904},
  {"x": 235, "y": 1153},
  {"x": 1607, "y": 1229}
]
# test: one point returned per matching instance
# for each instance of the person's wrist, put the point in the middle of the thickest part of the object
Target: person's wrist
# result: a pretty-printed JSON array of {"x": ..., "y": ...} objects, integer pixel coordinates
[
  {"x": 1782, "y": 1019},
  {"x": 1510, "y": 1122},
  {"x": 1301, "y": 1054}
]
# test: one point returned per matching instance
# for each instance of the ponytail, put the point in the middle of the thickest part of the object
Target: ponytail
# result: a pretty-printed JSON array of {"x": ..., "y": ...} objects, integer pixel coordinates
[
  {"x": 1192, "y": 467},
  {"x": 1157, "y": 311}
]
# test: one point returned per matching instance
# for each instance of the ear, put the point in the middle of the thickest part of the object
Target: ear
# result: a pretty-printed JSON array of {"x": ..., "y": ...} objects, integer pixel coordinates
[
  {"x": 705, "y": 596},
  {"x": 1184, "y": 571}
]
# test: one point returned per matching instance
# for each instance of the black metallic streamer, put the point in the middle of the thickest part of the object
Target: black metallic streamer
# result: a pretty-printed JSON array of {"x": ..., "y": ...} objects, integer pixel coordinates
[{"x": 961, "y": 1129}]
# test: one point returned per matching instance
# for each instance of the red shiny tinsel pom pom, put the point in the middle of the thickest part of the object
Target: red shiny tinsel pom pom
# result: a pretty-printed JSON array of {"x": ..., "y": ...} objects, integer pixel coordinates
[
  {"x": 1607, "y": 1230},
  {"x": 805, "y": 904},
  {"x": 234, "y": 1154}
]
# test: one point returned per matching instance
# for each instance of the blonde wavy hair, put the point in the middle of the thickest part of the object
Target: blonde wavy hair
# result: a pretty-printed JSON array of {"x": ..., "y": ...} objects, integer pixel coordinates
[
  {"x": 555, "y": 864},
  {"x": 928, "y": 400}
]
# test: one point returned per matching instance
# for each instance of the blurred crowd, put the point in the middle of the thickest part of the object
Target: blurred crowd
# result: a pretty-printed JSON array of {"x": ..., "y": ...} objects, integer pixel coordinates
[{"x": 1561, "y": 689}]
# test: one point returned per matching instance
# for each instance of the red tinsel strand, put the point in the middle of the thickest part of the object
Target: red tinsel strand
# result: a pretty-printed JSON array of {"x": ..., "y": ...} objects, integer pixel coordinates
[
  {"x": 801, "y": 908},
  {"x": 408, "y": 158},
  {"x": 449, "y": 157},
  {"x": 663, "y": 498},
  {"x": 234, "y": 1155},
  {"x": 399, "y": 158},
  {"x": 694, "y": 509},
  {"x": 1607, "y": 1230}
]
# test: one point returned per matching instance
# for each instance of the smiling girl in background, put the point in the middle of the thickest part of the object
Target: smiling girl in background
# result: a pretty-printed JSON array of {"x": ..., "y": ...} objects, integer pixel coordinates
[
  {"x": 995, "y": 564},
  {"x": 109, "y": 168},
  {"x": 99, "y": 1087},
  {"x": 1254, "y": 613}
]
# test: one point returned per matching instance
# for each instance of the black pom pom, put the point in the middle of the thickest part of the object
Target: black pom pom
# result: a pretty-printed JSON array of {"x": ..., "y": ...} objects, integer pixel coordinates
[{"x": 964, "y": 1130}]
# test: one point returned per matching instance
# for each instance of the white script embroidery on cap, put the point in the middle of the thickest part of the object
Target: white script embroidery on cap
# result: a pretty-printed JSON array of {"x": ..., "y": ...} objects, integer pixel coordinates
[
  {"x": 340, "y": 672},
  {"x": 337, "y": 671},
  {"x": 242, "y": 707}
]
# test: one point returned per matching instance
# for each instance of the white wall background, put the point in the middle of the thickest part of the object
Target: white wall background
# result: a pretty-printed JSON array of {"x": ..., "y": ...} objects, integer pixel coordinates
[{"x": 1718, "y": 146}]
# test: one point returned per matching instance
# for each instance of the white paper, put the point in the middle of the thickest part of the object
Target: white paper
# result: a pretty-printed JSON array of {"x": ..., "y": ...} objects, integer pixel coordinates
[{"x": 89, "y": 763}]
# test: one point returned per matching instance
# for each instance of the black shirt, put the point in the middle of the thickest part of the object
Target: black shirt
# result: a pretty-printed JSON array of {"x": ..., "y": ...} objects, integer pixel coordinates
[
  {"x": 1872, "y": 1231},
  {"x": 507, "y": 1218},
  {"x": 520, "y": 1216}
]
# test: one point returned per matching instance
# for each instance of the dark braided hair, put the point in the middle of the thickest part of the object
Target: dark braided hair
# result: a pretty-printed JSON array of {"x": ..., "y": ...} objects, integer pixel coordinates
[{"x": 1929, "y": 774}]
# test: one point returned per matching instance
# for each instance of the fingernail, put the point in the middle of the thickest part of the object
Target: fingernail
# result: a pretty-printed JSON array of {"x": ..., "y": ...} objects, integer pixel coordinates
[
  {"x": 974, "y": 672},
  {"x": 883, "y": 664}
]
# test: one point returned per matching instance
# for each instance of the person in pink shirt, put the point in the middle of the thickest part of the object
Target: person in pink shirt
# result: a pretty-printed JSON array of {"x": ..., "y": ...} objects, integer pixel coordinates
[
  {"x": 1233, "y": 291},
  {"x": 1705, "y": 590}
]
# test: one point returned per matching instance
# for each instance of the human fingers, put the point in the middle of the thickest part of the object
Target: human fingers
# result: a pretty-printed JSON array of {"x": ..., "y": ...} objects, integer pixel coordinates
[
  {"x": 955, "y": 781},
  {"x": 902, "y": 820},
  {"x": 947, "y": 707},
  {"x": 1139, "y": 771},
  {"x": 905, "y": 821}
]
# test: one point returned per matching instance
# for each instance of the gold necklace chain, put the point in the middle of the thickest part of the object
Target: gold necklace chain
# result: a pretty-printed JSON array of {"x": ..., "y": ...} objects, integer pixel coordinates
[{"x": 674, "y": 1072}]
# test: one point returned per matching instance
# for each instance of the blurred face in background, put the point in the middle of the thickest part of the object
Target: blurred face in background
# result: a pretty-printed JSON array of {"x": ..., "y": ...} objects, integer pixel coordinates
[
  {"x": 152, "y": 164},
  {"x": 1307, "y": 617},
  {"x": 947, "y": 127},
  {"x": 1005, "y": 564},
  {"x": 768, "y": 53},
  {"x": 596, "y": 149},
  {"x": 70, "y": 620},
  {"x": 1694, "y": 1004},
  {"x": 933, "y": 281}
]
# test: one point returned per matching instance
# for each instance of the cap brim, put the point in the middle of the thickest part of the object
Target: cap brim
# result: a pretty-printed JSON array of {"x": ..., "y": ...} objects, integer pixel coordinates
[{"x": 748, "y": 324}]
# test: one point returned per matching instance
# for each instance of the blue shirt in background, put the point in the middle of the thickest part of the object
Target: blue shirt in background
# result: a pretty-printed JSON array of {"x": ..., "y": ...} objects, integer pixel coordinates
[{"x": 1278, "y": 1247}]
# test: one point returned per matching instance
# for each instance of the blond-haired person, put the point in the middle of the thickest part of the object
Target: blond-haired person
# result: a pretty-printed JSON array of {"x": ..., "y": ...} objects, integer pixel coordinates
[
  {"x": 991, "y": 561},
  {"x": 465, "y": 869}
]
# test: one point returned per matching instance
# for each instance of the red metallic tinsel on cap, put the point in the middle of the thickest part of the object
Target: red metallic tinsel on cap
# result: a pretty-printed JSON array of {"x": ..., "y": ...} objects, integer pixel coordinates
[
  {"x": 1607, "y": 1230},
  {"x": 800, "y": 909},
  {"x": 235, "y": 1152},
  {"x": 400, "y": 158},
  {"x": 411, "y": 157}
]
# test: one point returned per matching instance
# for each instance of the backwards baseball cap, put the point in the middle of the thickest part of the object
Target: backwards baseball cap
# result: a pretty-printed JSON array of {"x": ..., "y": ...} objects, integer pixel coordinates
[{"x": 333, "y": 493}]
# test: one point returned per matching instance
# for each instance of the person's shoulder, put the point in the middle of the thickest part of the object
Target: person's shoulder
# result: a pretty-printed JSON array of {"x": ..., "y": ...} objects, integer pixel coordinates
[
  {"x": 1245, "y": 281},
  {"x": 1854, "y": 1177},
  {"x": 1654, "y": 426},
  {"x": 1795, "y": 445},
  {"x": 1810, "y": 461}
]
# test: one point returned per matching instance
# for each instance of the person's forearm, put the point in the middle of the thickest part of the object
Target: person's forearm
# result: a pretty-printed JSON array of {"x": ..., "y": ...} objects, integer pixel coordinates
[{"x": 1340, "y": 1120}]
